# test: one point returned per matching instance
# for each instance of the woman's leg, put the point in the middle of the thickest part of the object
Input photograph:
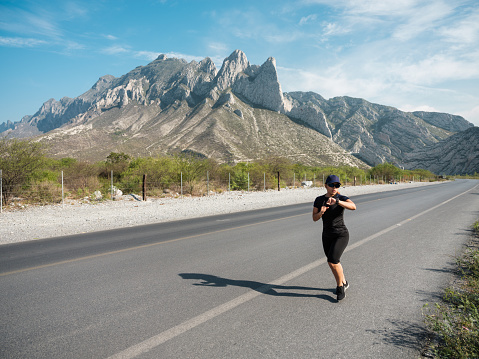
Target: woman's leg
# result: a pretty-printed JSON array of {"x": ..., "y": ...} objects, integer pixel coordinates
[
  {"x": 335, "y": 252},
  {"x": 338, "y": 273}
]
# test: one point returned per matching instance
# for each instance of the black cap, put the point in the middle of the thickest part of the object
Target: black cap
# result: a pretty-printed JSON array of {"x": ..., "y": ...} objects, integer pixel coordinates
[{"x": 332, "y": 179}]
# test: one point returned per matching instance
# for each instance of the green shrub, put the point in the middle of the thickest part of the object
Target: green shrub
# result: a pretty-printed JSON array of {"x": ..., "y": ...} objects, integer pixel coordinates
[
  {"x": 19, "y": 161},
  {"x": 456, "y": 320},
  {"x": 43, "y": 192}
]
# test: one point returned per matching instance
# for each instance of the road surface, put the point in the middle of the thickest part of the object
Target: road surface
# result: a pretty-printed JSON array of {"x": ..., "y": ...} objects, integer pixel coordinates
[{"x": 246, "y": 285}]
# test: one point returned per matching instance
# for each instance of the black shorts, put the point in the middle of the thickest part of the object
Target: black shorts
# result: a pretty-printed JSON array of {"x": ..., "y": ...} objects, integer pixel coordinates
[{"x": 334, "y": 245}]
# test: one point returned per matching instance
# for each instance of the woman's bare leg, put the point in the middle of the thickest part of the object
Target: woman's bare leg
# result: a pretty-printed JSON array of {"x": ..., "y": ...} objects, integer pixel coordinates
[{"x": 338, "y": 273}]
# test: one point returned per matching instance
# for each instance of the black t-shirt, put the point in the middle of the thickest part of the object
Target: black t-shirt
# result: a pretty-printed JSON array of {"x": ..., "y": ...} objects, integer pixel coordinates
[{"x": 333, "y": 217}]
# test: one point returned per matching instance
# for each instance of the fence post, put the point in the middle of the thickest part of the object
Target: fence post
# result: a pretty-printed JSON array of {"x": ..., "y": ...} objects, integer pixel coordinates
[
  {"x": 264, "y": 181},
  {"x": 278, "y": 182},
  {"x": 144, "y": 187},
  {"x": 207, "y": 183},
  {"x": 181, "y": 182},
  {"x": 248, "y": 181},
  {"x": 294, "y": 180},
  {"x": 63, "y": 202},
  {"x": 111, "y": 187},
  {"x": 1, "y": 191},
  {"x": 229, "y": 182}
]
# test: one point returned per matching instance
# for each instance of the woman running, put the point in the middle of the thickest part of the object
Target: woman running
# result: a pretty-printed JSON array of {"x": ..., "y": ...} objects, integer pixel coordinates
[{"x": 330, "y": 207}]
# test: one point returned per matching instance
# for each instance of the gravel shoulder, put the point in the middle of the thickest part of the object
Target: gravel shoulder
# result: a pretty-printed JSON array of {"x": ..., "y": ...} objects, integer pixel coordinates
[{"x": 38, "y": 222}]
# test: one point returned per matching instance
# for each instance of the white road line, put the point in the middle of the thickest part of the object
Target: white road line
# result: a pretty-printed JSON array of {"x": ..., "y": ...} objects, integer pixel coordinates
[
  {"x": 155, "y": 341},
  {"x": 171, "y": 333}
]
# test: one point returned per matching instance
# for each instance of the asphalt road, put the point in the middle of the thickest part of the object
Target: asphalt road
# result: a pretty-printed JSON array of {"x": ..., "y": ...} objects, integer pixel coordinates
[{"x": 246, "y": 285}]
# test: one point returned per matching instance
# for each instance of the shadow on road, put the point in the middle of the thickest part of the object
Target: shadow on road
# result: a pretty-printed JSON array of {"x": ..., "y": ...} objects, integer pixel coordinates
[
  {"x": 403, "y": 335},
  {"x": 208, "y": 280}
]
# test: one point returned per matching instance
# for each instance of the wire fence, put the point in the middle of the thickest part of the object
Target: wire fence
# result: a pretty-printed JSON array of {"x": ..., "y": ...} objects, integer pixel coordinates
[{"x": 95, "y": 188}]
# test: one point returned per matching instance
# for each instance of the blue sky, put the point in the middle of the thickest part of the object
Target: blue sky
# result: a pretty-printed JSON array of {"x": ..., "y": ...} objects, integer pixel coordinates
[{"x": 409, "y": 54}]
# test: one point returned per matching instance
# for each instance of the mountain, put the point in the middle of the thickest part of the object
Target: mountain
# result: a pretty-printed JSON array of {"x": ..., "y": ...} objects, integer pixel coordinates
[
  {"x": 458, "y": 154},
  {"x": 372, "y": 132},
  {"x": 236, "y": 113}
]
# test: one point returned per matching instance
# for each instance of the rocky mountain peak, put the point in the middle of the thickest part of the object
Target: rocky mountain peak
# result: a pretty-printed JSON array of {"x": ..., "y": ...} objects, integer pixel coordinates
[
  {"x": 51, "y": 105},
  {"x": 208, "y": 66},
  {"x": 261, "y": 86},
  {"x": 232, "y": 68},
  {"x": 103, "y": 82}
]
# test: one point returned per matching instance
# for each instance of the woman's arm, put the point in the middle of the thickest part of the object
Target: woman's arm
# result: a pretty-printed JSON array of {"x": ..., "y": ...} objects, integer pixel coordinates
[
  {"x": 348, "y": 204},
  {"x": 317, "y": 214}
]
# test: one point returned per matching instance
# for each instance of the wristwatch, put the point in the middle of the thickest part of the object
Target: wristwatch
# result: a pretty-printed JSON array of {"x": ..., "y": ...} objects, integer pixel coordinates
[{"x": 337, "y": 201}]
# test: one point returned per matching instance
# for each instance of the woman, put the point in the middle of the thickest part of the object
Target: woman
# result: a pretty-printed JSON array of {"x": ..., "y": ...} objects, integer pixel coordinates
[{"x": 330, "y": 207}]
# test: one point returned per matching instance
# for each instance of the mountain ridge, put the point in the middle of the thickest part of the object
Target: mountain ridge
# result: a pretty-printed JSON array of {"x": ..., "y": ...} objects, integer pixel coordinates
[{"x": 172, "y": 92}]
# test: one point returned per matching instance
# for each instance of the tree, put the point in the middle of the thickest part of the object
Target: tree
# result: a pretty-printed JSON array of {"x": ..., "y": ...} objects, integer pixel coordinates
[
  {"x": 114, "y": 157},
  {"x": 19, "y": 159},
  {"x": 192, "y": 167},
  {"x": 118, "y": 163},
  {"x": 388, "y": 170}
]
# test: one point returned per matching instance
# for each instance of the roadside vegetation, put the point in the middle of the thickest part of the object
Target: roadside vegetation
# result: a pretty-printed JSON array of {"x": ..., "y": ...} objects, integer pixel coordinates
[
  {"x": 455, "y": 321},
  {"x": 29, "y": 176}
]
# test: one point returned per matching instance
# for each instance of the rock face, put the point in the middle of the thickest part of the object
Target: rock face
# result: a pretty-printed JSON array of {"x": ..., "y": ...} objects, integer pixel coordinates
[
  {"x": 444, "y": 120},
  {"x": 374, "y": 133},
  {"x": 458, "y": 154},
  {"x": 171, "y": 105},
  {"x": 260, "y": 86}
]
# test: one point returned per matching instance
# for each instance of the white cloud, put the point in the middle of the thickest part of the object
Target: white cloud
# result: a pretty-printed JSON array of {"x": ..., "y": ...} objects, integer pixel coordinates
[
  {"x": 152, "y": 55},
  {"x": 437, "y": 69},
  {"x": 115, "y": 50},
  {"x": 38, "y": 22},
  {"x": 306, "y": 19},
  {"x": 388, "y": 8},
  {"x": 184, "y": 56},
  {"x": 253, "y": 25},
  {"x": 330, "y": 82},
  {"x": 43, "y": 24},
  {"x": 73, "y": 45},
  {"x": 74, "y": 10},
  {"x": 110, "y": 37},
  {"x": 412, "y": 108},
  {"x": 23, "y": 22},
  {"x": 20, "y": 42},
  {"x": 331, "y": 29},
  {"x": 147, "y": 55},
  {"x": 471, "y": 115},
  {"x": 466, "y": 31},
  {"x": 218, "y": 46},
  {"x": 402, "y": 19},
  {"x": 421, "y": 19}
]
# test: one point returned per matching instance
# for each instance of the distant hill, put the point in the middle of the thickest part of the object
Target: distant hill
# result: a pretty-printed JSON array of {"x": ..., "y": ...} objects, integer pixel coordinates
[
  {"x": 457, "y": 154},
  {"x": 234, "y": 114}
]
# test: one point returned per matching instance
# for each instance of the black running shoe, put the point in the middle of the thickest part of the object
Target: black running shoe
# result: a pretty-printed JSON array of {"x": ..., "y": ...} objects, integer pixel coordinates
[
  {"x": 346, "y": 286},
  {"x": 340, "y": 293}
]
